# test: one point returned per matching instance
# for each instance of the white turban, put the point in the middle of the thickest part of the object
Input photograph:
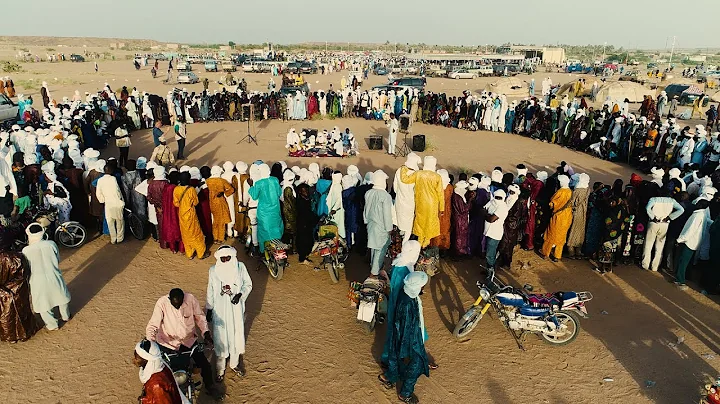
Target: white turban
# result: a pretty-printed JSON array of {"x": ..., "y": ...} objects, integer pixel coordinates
[
  {"x": 496, "y": 176},
  {"x": 583, "y": 181},
  {"x": 216, "y": 171},
  {"x": 429, "y": 163},
  {"x": 241, "y": 167},
  {"x": 379, "y": 179},
  {"x": 159, "y": 173},
  {"x": 542, "y": 175},
  {"x": 564, "y": 181},
  {"x": 445, "y": 177}
]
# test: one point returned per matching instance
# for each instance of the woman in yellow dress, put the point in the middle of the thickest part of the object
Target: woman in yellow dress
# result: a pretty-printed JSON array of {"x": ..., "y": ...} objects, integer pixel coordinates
[
  {"x": 185, "y": 199},
  {"x": 556, "y": 233}
]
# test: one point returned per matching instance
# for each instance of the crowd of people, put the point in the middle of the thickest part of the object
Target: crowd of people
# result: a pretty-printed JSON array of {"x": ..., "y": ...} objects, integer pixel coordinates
[{"x": 52, "y": 160}]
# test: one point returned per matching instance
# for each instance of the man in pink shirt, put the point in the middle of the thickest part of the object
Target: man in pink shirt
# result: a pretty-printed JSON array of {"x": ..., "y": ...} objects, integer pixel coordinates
[{"x": 172, "y": 326}]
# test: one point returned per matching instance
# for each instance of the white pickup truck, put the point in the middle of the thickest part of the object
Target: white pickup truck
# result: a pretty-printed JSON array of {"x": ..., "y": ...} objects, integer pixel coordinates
[{"x": 8, "y": 111}]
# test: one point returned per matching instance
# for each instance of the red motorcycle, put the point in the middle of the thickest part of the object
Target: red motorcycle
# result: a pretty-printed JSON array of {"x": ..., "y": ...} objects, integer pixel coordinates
[{"x": 331, "y": 248}]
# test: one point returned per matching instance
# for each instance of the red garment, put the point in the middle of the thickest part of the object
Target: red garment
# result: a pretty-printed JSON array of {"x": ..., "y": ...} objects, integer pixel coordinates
[
  {"x": 313, "y": 106},
  {"x": 203, "y": 212},
  {"x": 161, "y": 389},
  {"x": 635, "y": 180},
  {"x": 534, "y": 186},
  {"x": 155, "y": 198},
  {"x": 170, "y": 231},
  {"x": 460, "y": 225}
]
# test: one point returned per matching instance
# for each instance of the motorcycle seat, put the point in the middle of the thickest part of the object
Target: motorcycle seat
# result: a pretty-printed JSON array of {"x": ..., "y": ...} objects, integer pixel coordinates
[
  {"x": 531, "y": 311},
  {"x": 545, "y": 299},
  {"x": 511, "y": 299}
]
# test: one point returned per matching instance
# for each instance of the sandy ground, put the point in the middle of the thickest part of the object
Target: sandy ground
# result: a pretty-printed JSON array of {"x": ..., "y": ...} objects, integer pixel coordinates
[{"x": 304, "y": 345}]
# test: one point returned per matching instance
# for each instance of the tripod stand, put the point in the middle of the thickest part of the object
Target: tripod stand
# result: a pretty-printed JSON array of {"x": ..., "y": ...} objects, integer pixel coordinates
[
  {"x": 404, "y": 150},
  {"x": 251, "y": 127}
]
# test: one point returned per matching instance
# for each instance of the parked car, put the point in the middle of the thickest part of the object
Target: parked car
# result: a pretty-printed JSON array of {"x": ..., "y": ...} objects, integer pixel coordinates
[
  {"x": 188, "y": 78},
  {"x": 414, "y": 82},
  {"x": 462, "y": 74},
  {"x": 512, "y": 70},
  {"x": 77, "y": 58},
  {"x": 303, "y": 88},
  {"x": 228, "y": 66},
  {"x": 634, "y": 76},
  {"x": 8, "y": 111},
  {"x": 381, "y": 71},
  {"x": 184, "y": 66},
  {"x": 308, "y": 68},
  {"x": 710, "y": 74},
  {"x": 396, "y": 89},
  {"x": 396, "y": 69},
  {"x": 436, "y": 71},
  {"x": 212, "y": 66},
  {"x": 683, "y": 97},
  {"x": 485, "y": 70}
]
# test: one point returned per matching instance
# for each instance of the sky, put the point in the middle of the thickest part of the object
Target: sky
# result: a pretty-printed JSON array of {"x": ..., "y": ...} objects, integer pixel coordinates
[{"x": 629, "y": 23}]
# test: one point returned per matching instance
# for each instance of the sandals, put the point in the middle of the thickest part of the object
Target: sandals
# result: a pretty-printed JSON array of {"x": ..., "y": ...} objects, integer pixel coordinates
[
  {"x": 410, "y": 400},
  {"x": 433, "y": 365},
  {"x": 385, "y": 382}
]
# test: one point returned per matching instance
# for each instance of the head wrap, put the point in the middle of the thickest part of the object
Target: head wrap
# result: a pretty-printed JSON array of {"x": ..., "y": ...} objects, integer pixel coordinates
[
  {"x": 409, "y": 254},
  {"x": 583, "y": 181},
  {"x": 153, "y": 356},
  {"x": 159, "y": 173},
  {"x": 216, "y": 172},
  {"x": 413, "y": 161},
  {"x": 499, "y": 194},
  {"x": 429, "y": 163},
  {"x": 564, "y": 181},
  {"x": 496, "y": 176},
  {"x": 444, "y": 177},
  {"x": 513, "y": 195},
  {"x": 542, "y": 176},
  {"x": 379, "y": 179},
  {"x": 37, "y": 236},
  {"x": 227, "y": 271},
  {"x": 473, "y": 183},
  {"x": 241, "y": 167},
  {"x": 414, "y": 282}
]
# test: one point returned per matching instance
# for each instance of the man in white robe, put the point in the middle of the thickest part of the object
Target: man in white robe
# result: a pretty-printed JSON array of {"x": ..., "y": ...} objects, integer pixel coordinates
[
  {"x": 47, "y": 286},
  {"x": 393, "y": 128},
  {"x": 229, "y": 285},
  {"x": 405, "y": 196},
  {"x": 108, "y": 193}
]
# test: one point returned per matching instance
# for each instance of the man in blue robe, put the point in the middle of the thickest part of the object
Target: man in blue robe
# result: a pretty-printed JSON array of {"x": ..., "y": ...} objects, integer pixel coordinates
[
  {"x": 267, "y": 192},
  {"x": 407, "y": 359}
]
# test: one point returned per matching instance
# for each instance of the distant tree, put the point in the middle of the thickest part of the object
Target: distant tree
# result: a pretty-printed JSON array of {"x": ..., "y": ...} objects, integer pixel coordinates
[{"x": 231, "y": 43}]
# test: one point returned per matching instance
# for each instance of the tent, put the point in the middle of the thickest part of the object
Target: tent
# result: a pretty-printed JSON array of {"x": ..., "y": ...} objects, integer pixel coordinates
[
  {"x": 693, "y": 90},
  {"x": 618, "y": 91},
  {"x": 568, "y": 89},
  {"x": 511, "y": 87},
  {"x": 715, "y": 97}
]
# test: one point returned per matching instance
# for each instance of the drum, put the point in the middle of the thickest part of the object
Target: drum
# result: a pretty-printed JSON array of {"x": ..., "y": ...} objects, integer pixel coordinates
[
  {"x": 418, "y": 143},
  {"x": 376, "y": 142}
]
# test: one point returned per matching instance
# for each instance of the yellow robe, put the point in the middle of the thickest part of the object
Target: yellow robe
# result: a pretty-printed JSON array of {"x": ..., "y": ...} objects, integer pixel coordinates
[
  {"x": 556, "y": 233},
  {"x": 218, "y": 205},
  {"x": 190, "y": 230},
  {"x": 242, "y": 221},
  {"x": 429, "y": 200}
]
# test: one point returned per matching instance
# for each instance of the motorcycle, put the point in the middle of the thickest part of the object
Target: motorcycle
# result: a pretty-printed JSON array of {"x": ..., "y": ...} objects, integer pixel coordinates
[
  {"x": 371, "y": 303},
  {"x": 182, "y": 366},
  {"x": 275, "y": 258},
  {"x": 331, "y": 248},
  {"x": 554, "y": 317},
  {"x": 69, "y": 234}
]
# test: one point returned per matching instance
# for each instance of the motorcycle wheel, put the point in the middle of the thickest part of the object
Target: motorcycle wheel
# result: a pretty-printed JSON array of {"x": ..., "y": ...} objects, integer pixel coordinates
[
  {"x": 343, "y": 252},
  {"x": 71, "y": 234},
  {"x": 467, "y": 323},
  {"x": 568, "y": 319},
  {"x": 137, "y": 227},
  {"x": 276, "y": 270},
  {"x": 334, "y": 271},
  {"x": 368, "y": 328}
]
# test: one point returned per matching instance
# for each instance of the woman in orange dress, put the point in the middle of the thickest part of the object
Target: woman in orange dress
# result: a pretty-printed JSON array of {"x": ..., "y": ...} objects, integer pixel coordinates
[
  {"x": 218, "y": 189},
  {"x": 185, "y": 199},
  {"x": 556, "y": 233}
]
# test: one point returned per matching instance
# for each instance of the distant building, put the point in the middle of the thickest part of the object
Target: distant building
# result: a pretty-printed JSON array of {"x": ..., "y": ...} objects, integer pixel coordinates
[
  {"x": 545, "y": 54},
  {"x": 172, "y": 46},
  {"x": 697, "y": 58},
  {"x": 225, "y": 48}
]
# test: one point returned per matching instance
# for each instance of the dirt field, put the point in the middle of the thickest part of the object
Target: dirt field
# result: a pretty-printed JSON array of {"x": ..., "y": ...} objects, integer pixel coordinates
[{"x": 304, "y": 345}]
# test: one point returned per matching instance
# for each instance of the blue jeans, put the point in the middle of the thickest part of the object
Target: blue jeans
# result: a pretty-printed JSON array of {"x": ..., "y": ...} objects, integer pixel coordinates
[{"x": 491, "y": 246}]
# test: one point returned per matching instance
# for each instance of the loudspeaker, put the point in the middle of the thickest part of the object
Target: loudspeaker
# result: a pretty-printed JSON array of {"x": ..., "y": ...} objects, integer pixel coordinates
[
  {"x": 418, "y": 143},
  {"x": 404, "y": 122},
  {"x": 376, "y": 142}
]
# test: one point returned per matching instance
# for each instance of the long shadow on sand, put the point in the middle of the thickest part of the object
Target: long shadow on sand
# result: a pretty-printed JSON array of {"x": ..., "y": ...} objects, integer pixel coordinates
[{"x": 99, "y": 269}]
